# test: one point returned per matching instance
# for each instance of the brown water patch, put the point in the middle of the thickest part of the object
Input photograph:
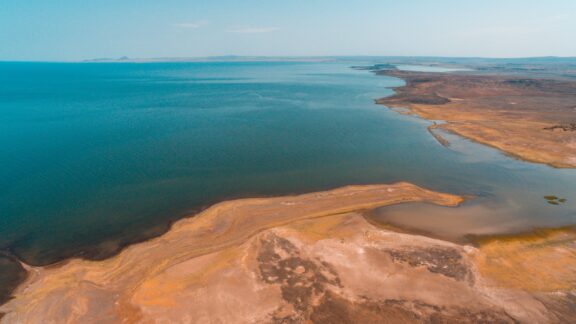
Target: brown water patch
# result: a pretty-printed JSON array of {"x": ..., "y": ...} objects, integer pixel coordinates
[
  {"x": 454, "y": 224},
  {"x": 532, "y": 236}
]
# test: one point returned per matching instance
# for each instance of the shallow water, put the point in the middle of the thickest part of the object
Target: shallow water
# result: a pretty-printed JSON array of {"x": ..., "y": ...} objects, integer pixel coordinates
[
  {"x": 428, "y": 68},
  {"x": 478, "y": 217},
  {"x": 93, "y": 156}
]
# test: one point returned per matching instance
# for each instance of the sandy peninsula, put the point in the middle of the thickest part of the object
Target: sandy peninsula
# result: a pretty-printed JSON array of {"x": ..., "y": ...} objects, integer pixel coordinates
[
  {"x": 533, "y": 119},
  {"x": 308, "y": 258}
]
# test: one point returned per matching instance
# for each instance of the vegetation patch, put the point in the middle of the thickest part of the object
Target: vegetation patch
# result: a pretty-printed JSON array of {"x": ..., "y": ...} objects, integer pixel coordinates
[{"x": 555, "y": 200}]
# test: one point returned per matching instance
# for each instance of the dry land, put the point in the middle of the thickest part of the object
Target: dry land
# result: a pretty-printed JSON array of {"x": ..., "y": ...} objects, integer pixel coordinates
[
  {"x": 529, "y": 118},
  {"x": 309, "y": 258}
]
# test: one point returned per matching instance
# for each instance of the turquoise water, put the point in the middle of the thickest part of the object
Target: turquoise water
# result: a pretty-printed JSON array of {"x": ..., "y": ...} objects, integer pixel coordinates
[{"x": 94, "y": 156}]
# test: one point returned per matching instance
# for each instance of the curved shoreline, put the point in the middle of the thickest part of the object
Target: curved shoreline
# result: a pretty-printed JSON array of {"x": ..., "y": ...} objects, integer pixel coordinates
[
  {"x": 225, "y": 224},
  {"x": 308, "y": 257},
  {"x": 213, "y": 229},
  {"x": 484, "y": 109}
]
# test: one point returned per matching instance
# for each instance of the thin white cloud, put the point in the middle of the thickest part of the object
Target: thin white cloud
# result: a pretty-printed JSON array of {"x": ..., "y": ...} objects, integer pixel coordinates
[
  {"x": 252, "y": 30},
  {"x": 191, "y": 25}
]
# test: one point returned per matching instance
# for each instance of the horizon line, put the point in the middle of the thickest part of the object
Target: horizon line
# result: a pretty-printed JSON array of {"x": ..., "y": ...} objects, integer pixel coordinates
[{"x": 225, "y": 58}]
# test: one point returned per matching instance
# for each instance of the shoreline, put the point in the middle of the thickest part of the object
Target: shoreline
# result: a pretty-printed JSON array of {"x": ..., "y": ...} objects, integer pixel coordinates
[
  {"x": 444, "y": 142},
  {"x": 348, "y": 214},
  {"x": 211, "y": 225},
  {"x": 526, "y": 135},
  {"x": 229, "y": 259}
]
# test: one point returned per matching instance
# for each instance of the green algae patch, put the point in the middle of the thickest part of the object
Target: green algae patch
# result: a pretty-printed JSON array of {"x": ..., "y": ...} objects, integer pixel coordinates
[{"x": 555, "y": 200}]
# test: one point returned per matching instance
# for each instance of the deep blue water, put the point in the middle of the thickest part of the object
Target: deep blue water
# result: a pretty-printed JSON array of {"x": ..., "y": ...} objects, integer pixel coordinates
[{"x": 96, "y": 155}]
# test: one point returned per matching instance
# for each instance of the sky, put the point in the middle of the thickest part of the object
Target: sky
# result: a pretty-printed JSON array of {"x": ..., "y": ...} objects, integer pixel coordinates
[{"x": 68, "y": 30}]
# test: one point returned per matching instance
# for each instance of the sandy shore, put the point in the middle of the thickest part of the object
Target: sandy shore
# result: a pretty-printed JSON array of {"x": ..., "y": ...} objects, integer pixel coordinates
[
  {"x": 310, "y": 257},
  {"x": 532, "y": 119}
]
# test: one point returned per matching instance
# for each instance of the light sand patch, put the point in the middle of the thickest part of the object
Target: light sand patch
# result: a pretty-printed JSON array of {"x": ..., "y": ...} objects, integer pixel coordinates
[{"x": 307, "y": 258}]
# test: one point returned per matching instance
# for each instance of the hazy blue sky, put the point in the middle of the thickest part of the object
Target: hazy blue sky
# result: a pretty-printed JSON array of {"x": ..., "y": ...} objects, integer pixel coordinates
[{"x": 79, "y": 29}]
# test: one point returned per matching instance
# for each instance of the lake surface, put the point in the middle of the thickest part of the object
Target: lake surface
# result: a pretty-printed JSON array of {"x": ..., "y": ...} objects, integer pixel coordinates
[{"x": 94, "y": 156}]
